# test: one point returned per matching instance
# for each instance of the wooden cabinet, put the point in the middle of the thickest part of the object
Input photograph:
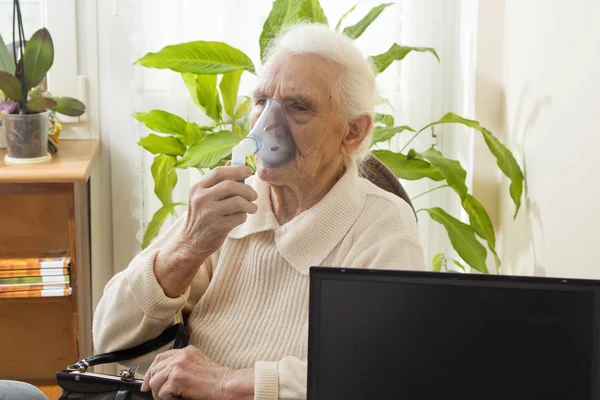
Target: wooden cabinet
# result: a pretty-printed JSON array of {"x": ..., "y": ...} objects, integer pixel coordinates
[{"x": 45, "y": 208}]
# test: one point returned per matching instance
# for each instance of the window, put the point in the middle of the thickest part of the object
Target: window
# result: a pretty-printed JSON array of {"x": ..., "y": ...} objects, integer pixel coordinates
[
  {"x": 59, "y": 17},
  {"x": 420, "y": 89},
  {"x": 32, "y": 12}
]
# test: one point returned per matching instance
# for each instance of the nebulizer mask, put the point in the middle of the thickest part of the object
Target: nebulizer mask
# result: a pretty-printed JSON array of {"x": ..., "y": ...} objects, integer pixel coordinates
[{"x": 270, "y": 140}]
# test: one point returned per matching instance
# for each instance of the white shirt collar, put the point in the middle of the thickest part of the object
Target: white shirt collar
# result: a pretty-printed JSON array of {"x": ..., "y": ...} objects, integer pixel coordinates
[{"x": 308, "y": 239}]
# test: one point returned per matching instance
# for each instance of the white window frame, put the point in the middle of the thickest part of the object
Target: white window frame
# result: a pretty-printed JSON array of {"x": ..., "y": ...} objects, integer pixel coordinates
[
  {"x": 60, "y": 19},
  {"x": 64, "y": 79}
]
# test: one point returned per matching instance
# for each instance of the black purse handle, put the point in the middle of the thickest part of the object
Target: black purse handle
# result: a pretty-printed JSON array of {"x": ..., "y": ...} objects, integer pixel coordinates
[{"x": 178, "y": 332}]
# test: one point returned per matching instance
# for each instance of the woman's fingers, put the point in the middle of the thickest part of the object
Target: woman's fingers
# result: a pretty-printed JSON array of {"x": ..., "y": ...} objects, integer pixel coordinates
[
  {"x": 159, "y": 363},
  {"x": 167, "y": 392},
  {"x": 157, "y": 383},
  {"x": 226, "y": 189},
  {"x": 234, "y": 205},
  {"x": 188, "y": 375},
  {"x": 236, "y": 219},
  {"x": 220, "y": 174}
]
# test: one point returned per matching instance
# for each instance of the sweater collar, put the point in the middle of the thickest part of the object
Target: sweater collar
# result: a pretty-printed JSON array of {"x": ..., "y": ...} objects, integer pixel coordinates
[{"x": 308, "y": 239}]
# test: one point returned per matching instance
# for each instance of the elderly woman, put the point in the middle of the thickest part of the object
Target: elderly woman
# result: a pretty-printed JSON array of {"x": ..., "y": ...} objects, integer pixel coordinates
[{"x": 236, "y": 266}]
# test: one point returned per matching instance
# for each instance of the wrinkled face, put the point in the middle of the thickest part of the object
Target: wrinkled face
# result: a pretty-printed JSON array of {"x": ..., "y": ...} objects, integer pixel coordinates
[{"x": 304, "y": 85}]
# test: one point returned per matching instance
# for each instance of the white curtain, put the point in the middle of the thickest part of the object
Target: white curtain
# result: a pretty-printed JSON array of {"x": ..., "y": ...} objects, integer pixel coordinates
[{"x": 412, "y": 87}]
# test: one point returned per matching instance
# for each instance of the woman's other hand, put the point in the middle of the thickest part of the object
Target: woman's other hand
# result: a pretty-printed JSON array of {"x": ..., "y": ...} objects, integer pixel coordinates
[
  {"x": 217, "y": 204},
  {"x": 188, "y": 374}
]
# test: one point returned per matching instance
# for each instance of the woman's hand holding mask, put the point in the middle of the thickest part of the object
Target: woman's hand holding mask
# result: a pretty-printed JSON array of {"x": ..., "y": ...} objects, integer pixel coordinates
[{"x": 217, "y": 204}]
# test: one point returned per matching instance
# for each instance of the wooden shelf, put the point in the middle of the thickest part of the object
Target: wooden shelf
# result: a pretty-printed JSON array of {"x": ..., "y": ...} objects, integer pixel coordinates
[
  {"x": 70, "y": 164},
  {"x": 40, "y": 336},
  {"x": 45, "y": 208}
]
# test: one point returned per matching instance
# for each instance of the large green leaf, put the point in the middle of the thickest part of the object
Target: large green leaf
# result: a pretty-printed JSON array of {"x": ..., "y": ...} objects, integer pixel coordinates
[
  {"x": 7, "y": 63},
  {"x": 462, "y": 238},
  {"x": 38, "y": 57},
  {"x": 158, "y": 220},
  {"x": 229, "y": 86},
  {"x": 243, "y": 109},
  {"x": 11, "y": 86},
  {"x": 397, "y": 53},
  {"x": 407, "y": 167},
  {"x": 381, "y": 134},
  {"x": 198, "y": 58},
  {"x": 169, "y": 145},
  {"x": 40, "y": 104},
  {"x": 171, "y": 124},
  {"x": 311, "y": 11},
  {"x": 208, "y": 152},
  {"x": 282, "y": 13},
  {"x": 165, "y": 177},
  {"x": 481, "y": 223},
  {"x": 163, "y": 122},
  {"x": 505, "y": 159},
  {"x": 385, "y": 119},
  {"x": 343, "y": 17},
  {"x": 357, "y": 29},
  {"x": 437, "y": 263},
  {"x": 479, "y": 219},
  {"x": 69, "y": 106},
  {"x": 192, "y": 87},
  {"x": 208, "y": 96},
  {"x": 455, "y": 176},
  {"x": 193, "y": 134},
  {"x": 203, "y": 91},
  {"x": 451, "y": 170}
]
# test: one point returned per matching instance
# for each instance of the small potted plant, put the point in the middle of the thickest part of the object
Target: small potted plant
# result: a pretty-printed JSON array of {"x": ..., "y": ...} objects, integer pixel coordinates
[{"x": 27, "y": 106}]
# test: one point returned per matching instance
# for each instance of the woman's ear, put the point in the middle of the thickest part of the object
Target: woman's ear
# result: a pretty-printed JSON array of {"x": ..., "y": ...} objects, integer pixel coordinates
[{"x": 357, "y": 132}]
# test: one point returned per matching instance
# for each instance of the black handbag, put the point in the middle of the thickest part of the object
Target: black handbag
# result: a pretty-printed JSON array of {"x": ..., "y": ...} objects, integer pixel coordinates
[{"x": 78, "y": 384}]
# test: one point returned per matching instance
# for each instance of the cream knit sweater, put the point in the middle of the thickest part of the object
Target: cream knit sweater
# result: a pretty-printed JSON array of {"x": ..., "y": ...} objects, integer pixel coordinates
[{"x": 248, "y": 304}]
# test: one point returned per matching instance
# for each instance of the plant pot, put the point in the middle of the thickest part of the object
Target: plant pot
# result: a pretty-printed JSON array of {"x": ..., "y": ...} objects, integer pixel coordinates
[
  {"x": 2, "y": 137},
  {"x": 26, "y": 138}
]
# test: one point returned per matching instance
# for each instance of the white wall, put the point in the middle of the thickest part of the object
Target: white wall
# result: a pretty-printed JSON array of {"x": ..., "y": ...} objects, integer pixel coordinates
[{"x": 550, "y": 87}]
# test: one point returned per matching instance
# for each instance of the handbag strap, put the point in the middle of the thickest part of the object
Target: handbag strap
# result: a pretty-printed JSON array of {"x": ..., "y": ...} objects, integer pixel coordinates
[{"x": 179, "y": 332}]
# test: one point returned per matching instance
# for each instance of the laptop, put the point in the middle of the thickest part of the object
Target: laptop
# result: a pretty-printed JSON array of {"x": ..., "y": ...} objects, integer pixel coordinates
[{"x": 377, "y": 334}]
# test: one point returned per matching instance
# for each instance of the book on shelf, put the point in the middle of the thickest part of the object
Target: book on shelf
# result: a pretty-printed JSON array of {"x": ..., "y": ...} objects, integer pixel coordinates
[
  {"x": 36, "y": 279},
  {"x": 60, "y": 292},
  {"x": 20, "y": 287},
  {"x": 45, "y": 276},
  {"x": 10, "y": 273},
  {"x": 34, "y": 263}
]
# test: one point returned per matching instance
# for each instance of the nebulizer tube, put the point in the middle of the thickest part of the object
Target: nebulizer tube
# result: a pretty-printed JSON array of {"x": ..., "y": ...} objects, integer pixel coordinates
[
  {"x": 247, "y": 147},
  {"x": 270, "y": 139}
]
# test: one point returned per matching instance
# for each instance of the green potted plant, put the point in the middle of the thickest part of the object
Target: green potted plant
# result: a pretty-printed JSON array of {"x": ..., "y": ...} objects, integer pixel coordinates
[
  {"x": 26, "y": 107},
  {"x": 177, "y": 143}
]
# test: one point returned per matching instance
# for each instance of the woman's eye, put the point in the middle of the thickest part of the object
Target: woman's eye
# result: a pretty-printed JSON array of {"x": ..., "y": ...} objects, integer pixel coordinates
[
  {"x": 300, "y": 108},
  {"x": 260, "y": 102}
]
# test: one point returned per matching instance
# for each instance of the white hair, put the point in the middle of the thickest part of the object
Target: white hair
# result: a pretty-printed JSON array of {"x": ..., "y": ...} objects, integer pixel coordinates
[{"x": 355, "y": 90}]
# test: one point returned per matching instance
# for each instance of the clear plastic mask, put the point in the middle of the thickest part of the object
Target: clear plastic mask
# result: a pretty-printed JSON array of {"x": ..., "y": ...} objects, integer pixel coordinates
[{"x": 270, "y": 139}]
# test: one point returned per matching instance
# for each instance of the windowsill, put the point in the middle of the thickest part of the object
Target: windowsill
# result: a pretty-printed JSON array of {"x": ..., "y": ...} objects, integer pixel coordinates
[{"x": 71, "y": 164}]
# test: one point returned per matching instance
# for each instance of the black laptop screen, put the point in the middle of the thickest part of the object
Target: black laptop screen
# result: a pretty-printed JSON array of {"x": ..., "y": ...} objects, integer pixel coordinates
[{"x": 417, "y": 338}]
